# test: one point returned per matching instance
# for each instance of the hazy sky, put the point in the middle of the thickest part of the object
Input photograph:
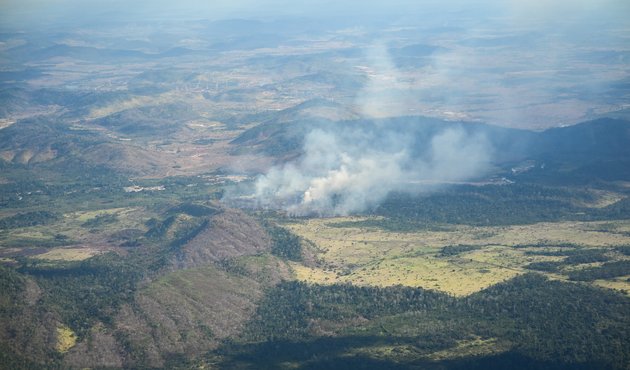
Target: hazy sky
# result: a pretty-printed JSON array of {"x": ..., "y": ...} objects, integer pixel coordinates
[{"x": 33, "y": 12}]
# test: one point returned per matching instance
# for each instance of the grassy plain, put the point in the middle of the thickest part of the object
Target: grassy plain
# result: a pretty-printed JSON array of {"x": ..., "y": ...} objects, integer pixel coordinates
[
  {"x": 68, "y": 254},
  {"x": 474, "y": 346},
  {"x": 76, "y": 235},
  {"x": 371, "y": 256}
]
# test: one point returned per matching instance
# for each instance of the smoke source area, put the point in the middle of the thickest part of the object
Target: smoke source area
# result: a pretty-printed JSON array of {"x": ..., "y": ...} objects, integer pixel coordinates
[{"x": 352, "y": 169}]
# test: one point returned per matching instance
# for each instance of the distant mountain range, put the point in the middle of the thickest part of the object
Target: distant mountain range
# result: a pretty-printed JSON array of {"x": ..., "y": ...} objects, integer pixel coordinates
[{"x": 589, "y": 151}]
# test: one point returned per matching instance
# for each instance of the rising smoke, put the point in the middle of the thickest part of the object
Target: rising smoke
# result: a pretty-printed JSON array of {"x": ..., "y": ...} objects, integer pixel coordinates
[{"x": 353, "y": 168}]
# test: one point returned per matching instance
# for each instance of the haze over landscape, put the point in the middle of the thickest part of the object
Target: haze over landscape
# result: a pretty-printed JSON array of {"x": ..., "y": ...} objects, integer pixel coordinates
[{"x": 306, "y": 185}]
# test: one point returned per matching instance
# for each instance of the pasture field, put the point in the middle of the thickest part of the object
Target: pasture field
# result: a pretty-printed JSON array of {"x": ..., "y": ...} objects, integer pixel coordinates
[
  {"x": 68, "y": 254},
  {"x": 478, "y": 257},
  {"x": 75, "y": 236}
]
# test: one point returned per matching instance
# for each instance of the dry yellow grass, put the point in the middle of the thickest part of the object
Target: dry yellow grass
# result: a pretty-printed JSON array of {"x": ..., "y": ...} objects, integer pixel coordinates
[
  {"x": 134, "y": 102},
  {"x": 602, "y": 198},
  {"x": 406, "y": 352},
  {"x": 72, "y": 237},
  {"x": 29, "y": 233},
  {"x": 371, "y": 256},
  {"x": 80, "y": 217},
  {"x": 73, "y": 223},
  {"x": 397, "y": 353},
  {"x": 68, "y": 254},
  {"x": 620, "y": 284},
  {"x": 66, "y": 339},
  {"x": 196, "y": 99},
  {"x": 471, "y": 347}
]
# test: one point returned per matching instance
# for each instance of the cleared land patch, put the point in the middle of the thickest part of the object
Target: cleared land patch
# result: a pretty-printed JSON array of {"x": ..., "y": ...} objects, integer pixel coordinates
[
  {"x": 460, "y": 259},
  {"x": 66, "y": 339},
  {"x": 69, "y": 254},
  {"x": 472, "y": 347}
]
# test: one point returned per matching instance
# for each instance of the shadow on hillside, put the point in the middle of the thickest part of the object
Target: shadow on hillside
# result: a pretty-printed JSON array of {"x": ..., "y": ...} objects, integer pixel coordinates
[{"x": 342, "y": 353}]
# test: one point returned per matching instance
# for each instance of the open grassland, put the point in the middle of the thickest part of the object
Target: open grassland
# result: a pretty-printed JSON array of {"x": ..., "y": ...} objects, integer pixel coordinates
[
  {"x": 68, "y": 254},
  {"x": 63, "y": 222},
  {"x": 400, "y": 352},
  {"x": 472, "y": 347},
  {"x": 621, "y": 283},
  {"x": 601, "y": 199},
  {"x": 478, "y": 257},
  {"x": 76, "y": 235}
]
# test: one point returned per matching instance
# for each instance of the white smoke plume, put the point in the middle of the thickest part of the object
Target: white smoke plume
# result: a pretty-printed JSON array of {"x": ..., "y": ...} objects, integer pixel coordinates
[{"x": 352, "y": 170}]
